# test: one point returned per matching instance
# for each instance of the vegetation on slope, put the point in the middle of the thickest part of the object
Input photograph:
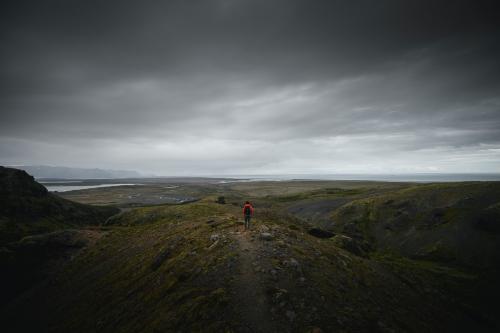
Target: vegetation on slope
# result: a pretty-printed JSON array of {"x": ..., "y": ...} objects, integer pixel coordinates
[
  {"x": 37, "y": 231},
  {"x": 452, "y": 223},
  {"x": 192, "y": 268},
  {"x": 26, "y": 208},
  {"x": 177, "y": 268}
]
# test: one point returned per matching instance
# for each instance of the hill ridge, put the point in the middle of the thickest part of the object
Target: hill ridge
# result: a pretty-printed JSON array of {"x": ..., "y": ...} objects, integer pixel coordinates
[{"x": 191, "y": 267}]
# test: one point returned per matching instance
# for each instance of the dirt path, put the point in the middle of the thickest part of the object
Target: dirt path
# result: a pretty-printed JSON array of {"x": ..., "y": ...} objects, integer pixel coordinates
[{"x": 250, "y": 296}]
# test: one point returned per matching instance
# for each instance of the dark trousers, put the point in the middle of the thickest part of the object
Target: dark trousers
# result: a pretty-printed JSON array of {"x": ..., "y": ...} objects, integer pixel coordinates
[{"x": 247, "y": 221}]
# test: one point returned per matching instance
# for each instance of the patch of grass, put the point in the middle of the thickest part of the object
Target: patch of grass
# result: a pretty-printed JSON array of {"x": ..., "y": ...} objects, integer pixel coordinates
[
  {"x": 185, "y": 290},
  {"x": 169, "y": 214},
  {"x": 447, "y": 222},
  {"x": 405, "y": 265}
]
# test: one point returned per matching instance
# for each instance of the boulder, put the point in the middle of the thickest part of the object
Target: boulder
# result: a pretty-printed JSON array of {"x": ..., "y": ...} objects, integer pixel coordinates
[
  {"x": 349, "y": 244},
  {"x": 292, "y": 263},
  {"x": 266, "y": 236},
  {"x": 320, "y": 233}
]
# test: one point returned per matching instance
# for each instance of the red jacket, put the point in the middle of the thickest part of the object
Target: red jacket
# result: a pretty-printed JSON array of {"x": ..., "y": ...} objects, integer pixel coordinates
[{"x": 249, "y": 206}]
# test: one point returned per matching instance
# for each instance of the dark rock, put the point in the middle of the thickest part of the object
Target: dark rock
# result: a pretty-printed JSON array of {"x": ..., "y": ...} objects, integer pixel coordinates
[
  {"x": 14, "y": 182},
  {"x": 320, "y": 233},
  {"x": 160, "y": 258},
  {"x": 27, "y": 208},
  {"x": 292, "y": 263},
  {"x": 349, "y": 244}
]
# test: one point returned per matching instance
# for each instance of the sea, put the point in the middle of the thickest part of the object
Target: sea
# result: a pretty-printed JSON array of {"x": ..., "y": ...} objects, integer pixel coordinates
[
  {"x": 417, "y": 177},
  {"x": 74, "y": 185}
]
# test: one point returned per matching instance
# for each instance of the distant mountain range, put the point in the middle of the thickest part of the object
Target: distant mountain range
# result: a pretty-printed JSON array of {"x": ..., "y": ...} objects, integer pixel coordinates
[{"x": 44, "y": 171}]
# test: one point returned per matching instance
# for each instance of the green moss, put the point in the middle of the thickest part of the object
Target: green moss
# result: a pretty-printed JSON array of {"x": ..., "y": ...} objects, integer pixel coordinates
[
  {"x": 438, "y": 252},
  {"x": 169, "y": 213},
  {"x": 111, "y": 286},
  {"x": 418, "y": 267}
]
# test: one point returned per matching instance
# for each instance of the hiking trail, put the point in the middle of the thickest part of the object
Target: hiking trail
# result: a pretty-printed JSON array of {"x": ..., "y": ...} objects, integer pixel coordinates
[{"x": 250, "y": 296}]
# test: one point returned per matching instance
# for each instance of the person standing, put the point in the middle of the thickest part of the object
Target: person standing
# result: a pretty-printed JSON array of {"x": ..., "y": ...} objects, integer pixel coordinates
[{"x": 247, "y": 213}]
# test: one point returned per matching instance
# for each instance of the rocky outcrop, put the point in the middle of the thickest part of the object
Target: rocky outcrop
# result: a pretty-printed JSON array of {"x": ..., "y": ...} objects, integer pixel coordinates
[
  {"x": 350, "y": 244},
  {"x": 320, "y": 233},
  {"x": 27, "y": 208},
  {"x": 16, "y": 183}
]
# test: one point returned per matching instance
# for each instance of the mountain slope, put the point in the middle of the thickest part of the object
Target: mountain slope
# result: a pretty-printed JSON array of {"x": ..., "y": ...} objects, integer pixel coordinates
[
  {"x": 37, "y": 231},
  {"x": 27, "y": 208},
  {"x": 454, "y": 223},
  {"x": 192, "y": 268}
]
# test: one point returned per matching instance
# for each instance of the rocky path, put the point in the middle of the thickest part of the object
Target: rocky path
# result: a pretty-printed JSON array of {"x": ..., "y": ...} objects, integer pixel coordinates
[{"x": 250, "y": 296}]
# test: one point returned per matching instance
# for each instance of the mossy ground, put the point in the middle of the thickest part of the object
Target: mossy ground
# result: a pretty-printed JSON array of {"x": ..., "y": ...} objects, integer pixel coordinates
[
  {"x": 450, "y": 223},
  {"x": 180, "y": 293},
  {"x": 174, "y": 268}
]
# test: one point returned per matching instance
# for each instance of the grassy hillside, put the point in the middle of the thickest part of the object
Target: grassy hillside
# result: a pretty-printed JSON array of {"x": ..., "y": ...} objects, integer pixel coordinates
[
  {"x": 192, "y": 267},
  {"x": 453, "y": 223},
  {"x": 179, "y": 268},
  {"x": 26, "y": 208},
  {"x": 456, "y": 224},
  {"x": 37, "y": 231}
]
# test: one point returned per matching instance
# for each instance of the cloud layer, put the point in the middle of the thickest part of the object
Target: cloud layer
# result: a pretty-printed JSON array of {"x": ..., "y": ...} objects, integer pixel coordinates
[{"x": 232, "y": 87}]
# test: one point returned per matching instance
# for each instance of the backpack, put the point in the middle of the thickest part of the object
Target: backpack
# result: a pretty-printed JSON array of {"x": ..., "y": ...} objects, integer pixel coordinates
[{"x": 247, "y": 210}]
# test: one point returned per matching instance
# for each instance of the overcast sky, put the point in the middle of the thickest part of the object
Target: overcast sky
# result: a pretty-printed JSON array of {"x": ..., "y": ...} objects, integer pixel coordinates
[{"x": 251, "y": 87}]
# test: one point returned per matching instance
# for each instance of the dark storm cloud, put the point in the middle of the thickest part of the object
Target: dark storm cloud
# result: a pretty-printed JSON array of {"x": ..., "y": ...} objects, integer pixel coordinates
[
  {"x": 296, "y": 78},
  {"x": 298, "y": 40}
]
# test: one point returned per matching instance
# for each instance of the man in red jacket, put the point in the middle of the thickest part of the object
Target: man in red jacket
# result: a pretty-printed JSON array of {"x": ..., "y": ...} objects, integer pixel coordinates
[{"x": 247, "y": 213}]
